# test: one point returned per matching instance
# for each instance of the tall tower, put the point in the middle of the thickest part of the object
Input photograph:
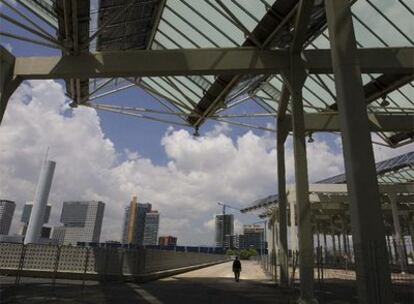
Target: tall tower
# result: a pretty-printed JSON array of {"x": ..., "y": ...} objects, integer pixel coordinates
[
  {"x": 152, "y": 222},
  {"x": 40, "y": 201},
  {"x": 224, "y": 226},
  {"x": 134, "y": 222},
  {"x": 6, "y": 215},
  {"x": 133, "y": 208}
]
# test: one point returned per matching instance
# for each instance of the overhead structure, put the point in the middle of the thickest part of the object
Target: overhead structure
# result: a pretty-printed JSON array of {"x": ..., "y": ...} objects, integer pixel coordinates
[
  {"x": 243, "y": 63},
  {"x": 188, "y": 99},
  {"x": 330, "y": 206}
]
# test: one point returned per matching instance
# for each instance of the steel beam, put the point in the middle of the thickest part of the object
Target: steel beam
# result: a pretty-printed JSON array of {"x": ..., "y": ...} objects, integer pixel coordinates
[
  {"x": 329, "y": 122},
  {"x": 223, "y": 61},
  {"x": 388, "y": 60},
  {"x": 8, "y": 83},
  {"x": 343, "y": 188},
  {"x": 372, "y": 269}
]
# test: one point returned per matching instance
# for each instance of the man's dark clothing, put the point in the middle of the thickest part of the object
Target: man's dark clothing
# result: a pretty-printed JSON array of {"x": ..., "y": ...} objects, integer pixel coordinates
[{"x": 236, "y": 269}]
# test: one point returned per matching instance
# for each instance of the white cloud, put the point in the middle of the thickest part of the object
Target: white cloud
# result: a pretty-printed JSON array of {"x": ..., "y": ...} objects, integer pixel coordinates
[{"x": 200, "y": 171}]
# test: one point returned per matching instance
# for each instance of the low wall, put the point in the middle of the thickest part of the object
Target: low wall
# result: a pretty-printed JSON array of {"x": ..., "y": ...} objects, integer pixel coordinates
[{"x": 98, "y": 263}]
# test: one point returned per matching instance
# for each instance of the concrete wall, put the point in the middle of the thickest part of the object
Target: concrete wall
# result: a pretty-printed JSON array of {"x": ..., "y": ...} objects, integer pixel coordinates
[{"x": 83, "y": 262}]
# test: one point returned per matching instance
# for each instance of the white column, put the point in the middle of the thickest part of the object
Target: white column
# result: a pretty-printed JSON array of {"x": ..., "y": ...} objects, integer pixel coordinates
[
  {"x": 293, "y": 231},
  {"x": 40, "y": 201},
  {"x": 397, "y": 233}
]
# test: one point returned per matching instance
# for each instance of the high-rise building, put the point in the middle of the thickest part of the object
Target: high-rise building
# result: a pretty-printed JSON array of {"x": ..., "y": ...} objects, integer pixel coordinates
[
  {"x": 134, "y": 222},
  {"x": 82, "y": 221},
  {"x": 27, "y": 211},
  {"x": 6, "y": 215},
  {"x": 224, "y": 226},
  {"x": 58, "y": 234},
  {"x": 34, "y": 227},
  {"x": 253, "y": 237},
  {"x": 167, "y": 241},
  {"x": 152, "y": 221}
]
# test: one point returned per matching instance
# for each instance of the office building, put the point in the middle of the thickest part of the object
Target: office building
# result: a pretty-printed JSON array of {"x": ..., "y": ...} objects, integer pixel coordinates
[
  {"x": 82, "y": 221},
  {"x": 18, "y": 239},
  {"x": 27, "y": 211},
  {"x": 231, "y": 241},
  {"x": 58, "y": 234},
  {"x": 134, "y": 222},
  {"x": 253, "y": 237},
  {"x": 224, "y": 226},
  {"x": 167, "y": 241},
  {"x": 6, "y": 215},
  {"x": 34, "y": 227},
  {"x": 152, "y": 221}
]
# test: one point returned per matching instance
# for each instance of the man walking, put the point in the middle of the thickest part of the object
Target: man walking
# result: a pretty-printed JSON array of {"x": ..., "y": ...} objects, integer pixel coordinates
[{"x": 236, "y": 269}]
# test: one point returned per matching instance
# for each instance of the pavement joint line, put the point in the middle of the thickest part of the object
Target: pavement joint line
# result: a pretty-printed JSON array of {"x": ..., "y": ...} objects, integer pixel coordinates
[{"x": 144, "y": 294}]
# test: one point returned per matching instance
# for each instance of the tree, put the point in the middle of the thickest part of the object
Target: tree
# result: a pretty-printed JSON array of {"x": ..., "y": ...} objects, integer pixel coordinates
[{"x": 230, "y": 252}]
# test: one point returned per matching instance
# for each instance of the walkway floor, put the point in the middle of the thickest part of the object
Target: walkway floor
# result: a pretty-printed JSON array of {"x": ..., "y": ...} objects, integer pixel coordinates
[{"x": 214, "y": 284}]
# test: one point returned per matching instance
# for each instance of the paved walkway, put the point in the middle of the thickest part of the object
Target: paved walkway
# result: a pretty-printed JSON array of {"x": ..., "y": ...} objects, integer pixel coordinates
[{"x": 213, "y": 284}]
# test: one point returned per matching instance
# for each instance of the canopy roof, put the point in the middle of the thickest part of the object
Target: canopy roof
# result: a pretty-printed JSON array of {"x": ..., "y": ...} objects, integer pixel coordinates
[
  {"x": 123, "y": 25},
  {"x": 396, "y": 170}
]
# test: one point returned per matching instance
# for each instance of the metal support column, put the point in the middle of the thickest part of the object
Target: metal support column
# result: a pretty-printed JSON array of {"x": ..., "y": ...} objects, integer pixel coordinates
[
  {"x": 281, "y": 182},
  {"x": 402, "y": 257},
  {"x": 411, "y": 229},
  {"x": 325, "y": 243},
  {"x": 293, "y": 232},
  {"x": 372, "y": 269},
  {"x": 295, "y": 81},
  {"x": 344, "y": 235}
]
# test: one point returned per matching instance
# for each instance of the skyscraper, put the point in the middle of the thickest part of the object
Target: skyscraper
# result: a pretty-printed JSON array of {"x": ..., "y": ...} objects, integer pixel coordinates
[
  {"x": 224, "y": 226},
  {"x": 82, "y": 221},
  {"x": 152, "y": 221},
  {"x": 134, "y": 222},
  {"x": 6, "y": 215},
  {"x": 44, "y": 184}
]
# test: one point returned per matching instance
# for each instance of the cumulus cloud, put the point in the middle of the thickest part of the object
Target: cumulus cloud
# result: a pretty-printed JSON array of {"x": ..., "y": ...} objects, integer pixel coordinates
[{"x": 200, "y": 171}]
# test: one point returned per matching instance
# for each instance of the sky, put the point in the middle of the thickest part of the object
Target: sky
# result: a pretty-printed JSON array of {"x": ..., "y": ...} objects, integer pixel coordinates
[{"x": 111, "y": 157}]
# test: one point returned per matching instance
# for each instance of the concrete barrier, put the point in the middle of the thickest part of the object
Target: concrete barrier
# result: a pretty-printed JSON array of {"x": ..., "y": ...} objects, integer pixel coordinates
[{"x": 90, "y": 263}]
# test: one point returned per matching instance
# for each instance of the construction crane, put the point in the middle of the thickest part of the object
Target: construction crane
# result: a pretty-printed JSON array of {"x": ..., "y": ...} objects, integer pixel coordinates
[
  {"x": 224, "y": 212},
  {"x": 228, "y": 206}
]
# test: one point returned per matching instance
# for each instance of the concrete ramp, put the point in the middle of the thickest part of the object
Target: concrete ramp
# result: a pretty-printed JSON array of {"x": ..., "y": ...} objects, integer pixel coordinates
[{"x": 90, "y": 263}]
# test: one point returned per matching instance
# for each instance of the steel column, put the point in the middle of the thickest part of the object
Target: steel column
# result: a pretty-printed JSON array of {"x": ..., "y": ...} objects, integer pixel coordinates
[
  {"x": 293, "y": 232},
  {"x": 402, "y": 258},
  {"x": 296, "y": 79},
  {"x": 281, "y": 182},
  {"x": 372, "y": 269}
]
